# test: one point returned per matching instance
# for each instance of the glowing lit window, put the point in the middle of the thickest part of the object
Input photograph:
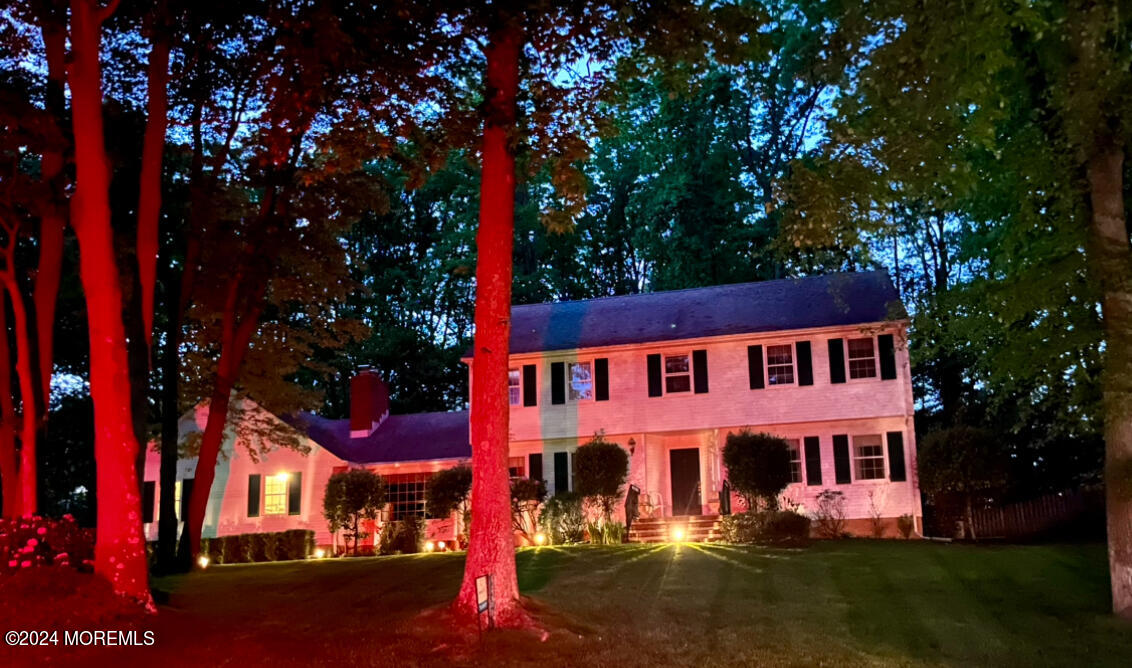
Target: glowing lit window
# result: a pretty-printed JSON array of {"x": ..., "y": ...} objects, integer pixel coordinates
[
  {"x": 581, "y": 381},
  {"x": 795, "y": 460},
  {"x": 513, "y": 386},
  {"x": 677, "y": 373},
  {"x": 275, "y": 495},
  {"x": 780, "y": 365},
  {"x": 862, "y": 359},
  {"x": 177, "y": 500},
  {"x": 868, "y": 457}
]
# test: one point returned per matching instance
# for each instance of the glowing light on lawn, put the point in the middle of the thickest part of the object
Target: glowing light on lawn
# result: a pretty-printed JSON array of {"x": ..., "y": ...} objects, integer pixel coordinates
[
  {"x": 440, "y": 545},
  {"x": 540, "y": 538},
  {"x": 429, "y": 546},
  {"x": 203, "y": 561},
  {"x": 319, "y": 553},
  {"x": 678, "y": 534}
]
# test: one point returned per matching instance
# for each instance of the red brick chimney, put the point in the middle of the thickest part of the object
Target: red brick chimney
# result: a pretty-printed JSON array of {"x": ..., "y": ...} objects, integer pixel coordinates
[{"x": 369, "y": 402}]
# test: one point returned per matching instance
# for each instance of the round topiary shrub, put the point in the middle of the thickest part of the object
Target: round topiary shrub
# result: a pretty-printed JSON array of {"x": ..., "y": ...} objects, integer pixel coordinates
[{"x": 758, "y": 466}]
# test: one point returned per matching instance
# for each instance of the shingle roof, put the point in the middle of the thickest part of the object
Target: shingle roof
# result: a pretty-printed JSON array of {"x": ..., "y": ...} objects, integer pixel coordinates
[
  {"x": 742, "y": 308},
  {"x": 399, "y": 438}
]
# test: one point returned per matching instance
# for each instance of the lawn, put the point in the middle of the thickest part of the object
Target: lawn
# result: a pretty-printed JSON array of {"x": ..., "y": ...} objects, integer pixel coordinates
[{"x": 846, "y": 602}]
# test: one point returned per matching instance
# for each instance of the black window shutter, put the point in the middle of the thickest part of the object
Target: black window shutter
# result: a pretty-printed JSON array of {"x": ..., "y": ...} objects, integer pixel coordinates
[
  {"x": 149, "y": 489},
  {"x": 654, "y": 376},
  {"x": 699, "y": 371},
  {"x": 896, "y": 471},
  {"x": 561, "y": 472},
  {"x": 253, "y": 495},
  {"x": 601, "y": 379},
  {"x": 755, "y": 366},
  {"x": 887, "y": 357},
  {"x": 534, "y": 465},
  {"x": 836, "y": 361},
  {"x": 813, "y": 460},
  {"x": 805, "y": 363},
  {"x": 186, "y": 494},
  {"x": 294, "y": 493},
  {"x": 841, "y": 459},
  {"x": 530, "y": 385},
  {"x": 558, "y": 382}
]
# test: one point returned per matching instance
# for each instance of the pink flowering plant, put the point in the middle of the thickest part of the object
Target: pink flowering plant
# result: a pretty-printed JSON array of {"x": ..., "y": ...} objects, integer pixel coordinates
[{"x": 43, "y": 542}]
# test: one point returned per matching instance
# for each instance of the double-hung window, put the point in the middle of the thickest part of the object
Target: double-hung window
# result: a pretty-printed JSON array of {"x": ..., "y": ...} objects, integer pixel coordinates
[
  {"x": 780, "y": 365},
  {"x": 275, "y": 494},
  {"x": 795, "y": 459},
  {"x": 862, "y": 358},
  {"x": 513, "y": 389},
  {"x": 868, "y": 457},
  {"x": 677, "y": 373},
  {"x": 580, "y": 381}
]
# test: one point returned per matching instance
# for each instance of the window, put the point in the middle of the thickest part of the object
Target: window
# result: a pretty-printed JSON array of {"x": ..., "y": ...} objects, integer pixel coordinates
[
  {"x": 513, "y": 386},
  {"x": 780, "y": 365},
  {"x": 515, "y": 467},
  {"x": 868, "y": 457},
  {"x": 275, "y": 495},
  {"x": 406, "y": 495},
  {"x": 677, "y": 374},
  {"x": 177, "y": 499},
  {"x": 581, "y": 381},
  {"x": 795, "y": 460},
  {"x": 862, "y": 359}
]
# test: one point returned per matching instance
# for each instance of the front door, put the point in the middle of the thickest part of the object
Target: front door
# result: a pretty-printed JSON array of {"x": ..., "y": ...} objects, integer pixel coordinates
[{"x": 684, "y": 467}]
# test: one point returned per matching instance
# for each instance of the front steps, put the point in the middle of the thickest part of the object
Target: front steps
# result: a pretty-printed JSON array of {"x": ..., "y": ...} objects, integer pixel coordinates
[{"x": 695, "y": 529}]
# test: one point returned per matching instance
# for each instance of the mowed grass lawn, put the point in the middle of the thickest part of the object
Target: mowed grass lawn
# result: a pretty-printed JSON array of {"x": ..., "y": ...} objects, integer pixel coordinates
[{"x": 834, "y": 603}]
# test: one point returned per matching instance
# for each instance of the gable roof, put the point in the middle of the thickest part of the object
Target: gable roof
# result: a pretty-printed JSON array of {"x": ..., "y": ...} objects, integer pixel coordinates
[
  {"x": 741, "y": 308},
  {"x": 399, "y": 438}
]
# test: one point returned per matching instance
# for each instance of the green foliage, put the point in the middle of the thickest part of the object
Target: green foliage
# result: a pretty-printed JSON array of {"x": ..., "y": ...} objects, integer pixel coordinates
[
  {"x": 771, "y": 526},
  {"x": 562, "y": 519},
  {"x": 606, "y": 533},
  {"x": 963, "y": 459},
  {"x": 403, "y": 536},
  {"x": 257, "y": 547},
  {"x": 600, "y": 469},
  {"x": 758, "y": 466},
  {"x": 527, "y": 497},
  {"x": 447, "y": 490},
  {"x": 350, "y": 497}
]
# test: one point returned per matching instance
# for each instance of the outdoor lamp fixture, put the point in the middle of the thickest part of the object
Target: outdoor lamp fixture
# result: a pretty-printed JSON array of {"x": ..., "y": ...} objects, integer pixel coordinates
[
  {"x": 632, "y": 445},
  {"x": 677, "y": 534},
  {"x": 540, "y": 538},
  {"x": 319, "y": 553},
  {"x": 202, "y": 560},
  {"x": 429, "y": 546},
  {"x": 440, "y": 546}
]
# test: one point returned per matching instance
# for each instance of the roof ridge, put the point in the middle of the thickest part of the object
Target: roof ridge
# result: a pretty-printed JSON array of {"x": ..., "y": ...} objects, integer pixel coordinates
[{"x": 703, "y": 287}]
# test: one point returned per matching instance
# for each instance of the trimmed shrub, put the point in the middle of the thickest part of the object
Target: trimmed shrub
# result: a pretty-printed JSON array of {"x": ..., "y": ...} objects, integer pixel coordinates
[
  {"x": 562, "y": 519},
  {"x": 600, "y": 468},
  {"x": 766, "y": 527},
  {"x": 401, "y": 537},
  {"x": 259, "y": 547},
  {"x": 758, "y": 467}
]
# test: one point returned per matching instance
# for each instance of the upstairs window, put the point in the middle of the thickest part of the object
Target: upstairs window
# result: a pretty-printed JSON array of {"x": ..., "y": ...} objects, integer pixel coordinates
[
  {"x": 780, "y": 365},
  {"x": 581, "y": 381},
  {"x": 513, "y": 394},
  {"x": 868, "y": 457},
  {"x": 795, "y": 459},
  {"x": 515, "y": 466},
  {"x": 677, "y": 374},
  {"x": 275, "y": 494},
  {"x": 862, "y": 358}
]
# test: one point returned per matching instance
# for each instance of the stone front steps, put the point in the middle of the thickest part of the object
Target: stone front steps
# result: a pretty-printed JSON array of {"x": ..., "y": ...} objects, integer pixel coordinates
[{"x": 687, "y": 528}]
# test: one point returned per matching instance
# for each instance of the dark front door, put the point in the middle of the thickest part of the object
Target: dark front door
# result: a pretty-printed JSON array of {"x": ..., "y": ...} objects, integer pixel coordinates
[{"x": 684, "y": 467}]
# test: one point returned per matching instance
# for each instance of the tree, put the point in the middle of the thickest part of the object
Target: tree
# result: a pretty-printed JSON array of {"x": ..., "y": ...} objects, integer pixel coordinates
[
  {"x": 353, "y": 496},
  {"x": 447, "y": 491},
  {"x": 961, "y": 460},
  {"x": 758, "y": 467},
  {"x": 1020, "y": 115},
  {"x": 526, "y": 497},
  {"x": 600, "y": 468}
]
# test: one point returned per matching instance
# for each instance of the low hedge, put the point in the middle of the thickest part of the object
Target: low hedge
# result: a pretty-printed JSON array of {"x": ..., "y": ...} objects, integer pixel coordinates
[
  {"x": 769, "y": 526},
  {"x": 259, "y": 547}
]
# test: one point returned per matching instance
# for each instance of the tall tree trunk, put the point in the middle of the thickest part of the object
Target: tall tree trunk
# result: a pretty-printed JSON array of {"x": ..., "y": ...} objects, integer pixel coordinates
[
  {"x": 119, "y": 554},
  {"x": 29, "y": 394},
  {"x": 1111, "y": 262},
  {"x": 170, "y": 417},
  {"x": 491, "y": 550},
  {"x": 9, "y": 458},
  {"x": 149, "y": 191}
]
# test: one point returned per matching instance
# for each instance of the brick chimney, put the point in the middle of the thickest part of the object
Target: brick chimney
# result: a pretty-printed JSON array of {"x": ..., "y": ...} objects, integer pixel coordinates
[{"x": 369, "y": 402}]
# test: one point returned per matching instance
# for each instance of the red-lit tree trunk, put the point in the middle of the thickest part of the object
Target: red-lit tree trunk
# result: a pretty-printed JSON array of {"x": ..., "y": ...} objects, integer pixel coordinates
[
  {"x": 29, "y": 421},
  {"x": 9, "y": 468},
  {"x": 491, "y": 548},
  {"x": 236, "y": 334},
  {"x": 119, "y": 554},
  {"x": 149, "y": 191}
]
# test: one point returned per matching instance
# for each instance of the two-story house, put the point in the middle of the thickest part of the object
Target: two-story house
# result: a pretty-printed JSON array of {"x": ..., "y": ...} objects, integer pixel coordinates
[{"x": 819, "y": 361}]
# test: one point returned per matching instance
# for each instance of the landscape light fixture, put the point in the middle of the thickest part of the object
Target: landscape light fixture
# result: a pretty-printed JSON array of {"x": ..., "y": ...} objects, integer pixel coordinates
[
  {"x": 202, "y": 560},
  {"x": 540, "y": 538},
  {"x": 429, "y": 546},
  {"x": 678, "y": 534}
]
